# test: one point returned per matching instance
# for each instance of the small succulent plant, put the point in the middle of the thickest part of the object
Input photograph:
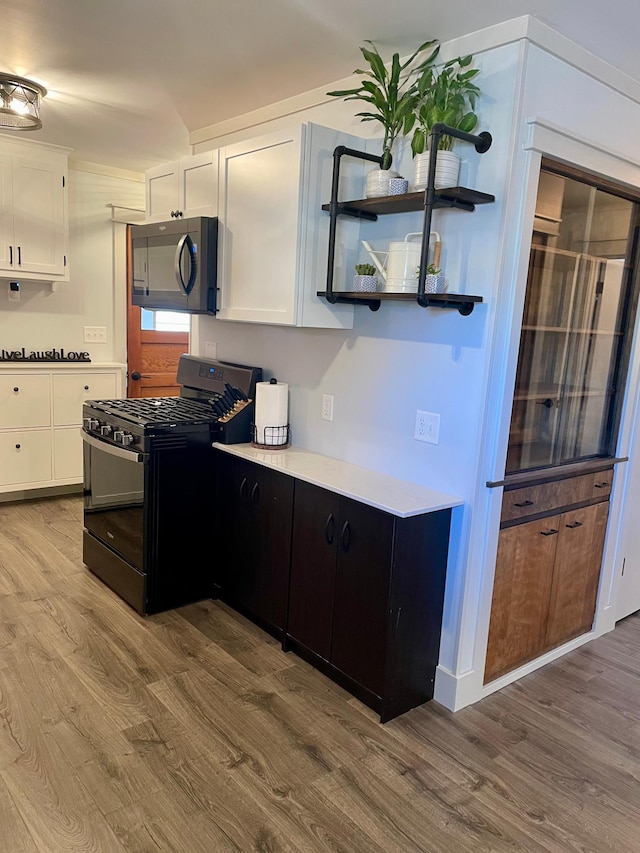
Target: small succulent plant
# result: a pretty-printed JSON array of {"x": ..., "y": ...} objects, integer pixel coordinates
[
  {"x": 365, "y": 269},
  {"x": 432, "y": 269}
]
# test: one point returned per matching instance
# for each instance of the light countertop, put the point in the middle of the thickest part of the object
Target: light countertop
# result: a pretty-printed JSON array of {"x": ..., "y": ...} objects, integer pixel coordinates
[{"x": 390, "y": 494}]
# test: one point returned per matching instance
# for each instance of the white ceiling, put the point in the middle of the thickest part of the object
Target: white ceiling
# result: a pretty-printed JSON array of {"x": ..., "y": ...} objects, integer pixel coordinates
[{"x": 129, "y": 79}]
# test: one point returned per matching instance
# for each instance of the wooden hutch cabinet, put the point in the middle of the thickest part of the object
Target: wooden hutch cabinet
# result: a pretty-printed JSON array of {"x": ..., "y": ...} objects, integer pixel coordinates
[{"x": 578, "y": 319}]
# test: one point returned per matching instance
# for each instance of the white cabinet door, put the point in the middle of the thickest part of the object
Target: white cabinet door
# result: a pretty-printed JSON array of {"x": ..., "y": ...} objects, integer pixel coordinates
[
  {"x": 71, "y": 390},
  {"x": 198, "y": 176},
  {"x": 24, "y": 400},
  {"x": 25, "y": 457},
  {"x": 6, "y": 212},
  {"x": 39, "y": 217},
  {"x": 260, "y": 200},
  {"x": 183, "y": 188},
  {"x": 162, "y": 188},
  {"x": 274, "y": 235}
]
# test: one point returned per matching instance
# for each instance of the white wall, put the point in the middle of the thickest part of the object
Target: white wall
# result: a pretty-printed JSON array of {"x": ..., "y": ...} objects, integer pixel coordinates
[{"x": 44, "y": 319}]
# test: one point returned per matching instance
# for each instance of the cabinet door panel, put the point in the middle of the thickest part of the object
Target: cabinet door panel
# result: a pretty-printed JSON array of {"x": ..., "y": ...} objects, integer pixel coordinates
[
  {"x": 577, "y": 573},
  {"x": 361, "y": 603},
  {"x": 162, "y": 191},
  {"x": 39, "y": 221},
  {"x": 199, "y": 184},
  {"x": 313, "y": 567},
  {"x": 521, "y": 589},
  {"x": 71, "y": 390},
  {"x": 254, "y": 531},
  {"x": 259, "y": 211},
  {"x": 67, "y": 454},
  {"x": 24, "y": 401},
  {"x": 25, "y": 457},
  {"x": 6, "y": 213}
]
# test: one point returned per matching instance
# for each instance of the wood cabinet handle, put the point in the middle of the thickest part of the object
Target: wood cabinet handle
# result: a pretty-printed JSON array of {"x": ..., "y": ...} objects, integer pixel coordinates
[
  {"x": 16, "y": 388},
  {"x": 602, "y": 485},
  {"x": 549, "y": 532},
  {"x": 19, "y": 256},
  {"x": 345, "y": 536},
  {"x": 573, "y": 525},
  {"x": 524, "y": 503},
  {"x": 255, "y": 493},
  {"x": 17, "y": 447},
  {"x": 11, "y": 255},
  {"x": 243, "y": 488},
  {"x": 86, "y": 387}
]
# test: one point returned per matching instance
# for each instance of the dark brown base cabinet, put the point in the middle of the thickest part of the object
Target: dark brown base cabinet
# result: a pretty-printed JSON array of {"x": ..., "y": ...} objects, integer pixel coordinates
[
  {"x": 547, "y": 568},
  {"x": 366, "y": 595},
  {"x": 253, "y": 523}
]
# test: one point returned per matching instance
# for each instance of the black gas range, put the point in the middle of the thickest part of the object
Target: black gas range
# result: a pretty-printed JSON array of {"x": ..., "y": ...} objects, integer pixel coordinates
[{"x": 149, "y": 482}]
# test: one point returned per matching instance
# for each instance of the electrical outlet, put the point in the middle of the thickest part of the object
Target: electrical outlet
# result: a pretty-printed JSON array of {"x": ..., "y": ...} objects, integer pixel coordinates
[
  {"x": 327, "y": 407},
  {"x": 95, "y": 334},
  {"x": 427, "y": 427}
]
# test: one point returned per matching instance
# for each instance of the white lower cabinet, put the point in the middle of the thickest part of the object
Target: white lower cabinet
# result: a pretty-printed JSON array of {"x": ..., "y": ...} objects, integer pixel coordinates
[
  {"x": 40, "y": 418},
  {"x": 25, "y": 457}
]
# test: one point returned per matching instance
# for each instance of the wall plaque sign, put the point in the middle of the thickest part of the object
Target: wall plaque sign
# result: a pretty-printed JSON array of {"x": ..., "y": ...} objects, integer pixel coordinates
[{"x": 43, "y": 355}]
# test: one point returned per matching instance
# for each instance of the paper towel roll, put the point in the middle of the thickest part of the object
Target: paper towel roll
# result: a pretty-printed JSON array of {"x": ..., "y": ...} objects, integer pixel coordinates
[{"x": 272, "y": 413}]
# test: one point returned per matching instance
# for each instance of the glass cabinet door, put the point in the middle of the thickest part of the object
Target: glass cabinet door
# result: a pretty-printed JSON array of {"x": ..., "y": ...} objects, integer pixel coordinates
[{"x": 577, "y": 314}]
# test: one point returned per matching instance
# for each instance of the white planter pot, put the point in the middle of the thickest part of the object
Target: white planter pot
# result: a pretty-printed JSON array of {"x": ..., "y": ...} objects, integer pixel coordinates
[
  {"x": 434, "y": 284},
  {"x": 447, "y": 170},
  {"x": 365, "y": 283},
  {"x": 378, "y": 182}
]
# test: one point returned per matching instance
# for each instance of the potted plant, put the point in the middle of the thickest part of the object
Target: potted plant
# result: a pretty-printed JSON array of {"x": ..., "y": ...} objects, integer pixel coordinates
[
  {"x": 390, "y": 94},
  {"x": 365, "y": 278},
  {"x": 447, "y": 95},
  {"x": 433, "y": 280}
]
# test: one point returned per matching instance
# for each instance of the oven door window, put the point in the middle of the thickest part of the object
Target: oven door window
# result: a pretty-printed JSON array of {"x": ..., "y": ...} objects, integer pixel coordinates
[{"x": 113, "y": 499}]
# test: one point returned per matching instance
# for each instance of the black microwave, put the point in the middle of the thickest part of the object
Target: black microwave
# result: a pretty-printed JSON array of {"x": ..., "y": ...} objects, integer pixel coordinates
[{"x": 175, "y": 265}]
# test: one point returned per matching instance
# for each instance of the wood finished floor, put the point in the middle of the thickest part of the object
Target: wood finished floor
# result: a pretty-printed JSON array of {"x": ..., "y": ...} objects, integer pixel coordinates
[{"x": 192, "y": 731}]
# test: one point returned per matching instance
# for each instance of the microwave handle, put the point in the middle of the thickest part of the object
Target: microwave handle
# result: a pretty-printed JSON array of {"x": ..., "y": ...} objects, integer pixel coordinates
[{"x": 186, "y": 240}]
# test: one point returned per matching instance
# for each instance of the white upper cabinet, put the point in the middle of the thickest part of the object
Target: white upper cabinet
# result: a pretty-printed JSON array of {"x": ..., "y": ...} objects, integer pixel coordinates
[
  {"x": 185, "y": 188},
  {"x": 33, "y": 212},
  {"x": 273, "y": 232}
]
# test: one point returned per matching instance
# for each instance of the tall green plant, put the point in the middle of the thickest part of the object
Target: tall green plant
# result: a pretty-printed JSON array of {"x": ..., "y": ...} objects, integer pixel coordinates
[
  {"x": 390, "y": 91},
  {"x": 446, "y": 95}
]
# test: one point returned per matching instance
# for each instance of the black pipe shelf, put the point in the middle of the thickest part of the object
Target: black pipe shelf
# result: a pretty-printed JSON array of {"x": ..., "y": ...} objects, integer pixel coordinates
[{"x": 457, "y": 198}]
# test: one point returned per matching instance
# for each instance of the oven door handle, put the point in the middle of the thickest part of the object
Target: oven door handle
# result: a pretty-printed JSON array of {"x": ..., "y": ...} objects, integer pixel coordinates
[{"x": 120, "y": 452}]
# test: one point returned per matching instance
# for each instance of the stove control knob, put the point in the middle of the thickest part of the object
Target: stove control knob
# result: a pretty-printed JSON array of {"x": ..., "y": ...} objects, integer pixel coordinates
[
  {"x": 118, "y": 435},
  {"x": 93, "y": 423},
  {"x": 105, "y": 429},
  {"x": 127, "y": 439},
  {"x": 86, "y": 423}
]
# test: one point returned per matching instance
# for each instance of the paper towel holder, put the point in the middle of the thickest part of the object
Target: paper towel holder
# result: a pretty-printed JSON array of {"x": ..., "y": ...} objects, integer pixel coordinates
[{"x": 271, "y": 437}]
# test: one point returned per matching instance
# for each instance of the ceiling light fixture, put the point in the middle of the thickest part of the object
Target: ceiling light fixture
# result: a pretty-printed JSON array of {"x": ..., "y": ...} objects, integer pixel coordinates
[{"x": 20, "y": 103}]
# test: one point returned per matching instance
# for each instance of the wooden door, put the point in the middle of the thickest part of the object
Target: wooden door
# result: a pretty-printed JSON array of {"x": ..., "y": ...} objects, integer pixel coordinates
[
  {"x": 521, "y": 590},
  {"x": 152, "y": 356},
  {"x": 576, "y": 573},
  {"x": 313, "y": 567},
  {"x": 361, "y": 601}
]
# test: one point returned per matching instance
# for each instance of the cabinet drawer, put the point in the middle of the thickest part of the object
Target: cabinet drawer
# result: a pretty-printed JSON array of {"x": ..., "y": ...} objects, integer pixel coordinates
[
  {"x": 530, "y": 500},
  {"x": 71, "y": 390},
  {"x": 602, "y": 482},
  {"x": 25, "y": 457},
  {"x": 67, "y": 454},
  {"x": 24, "y": 401}
]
